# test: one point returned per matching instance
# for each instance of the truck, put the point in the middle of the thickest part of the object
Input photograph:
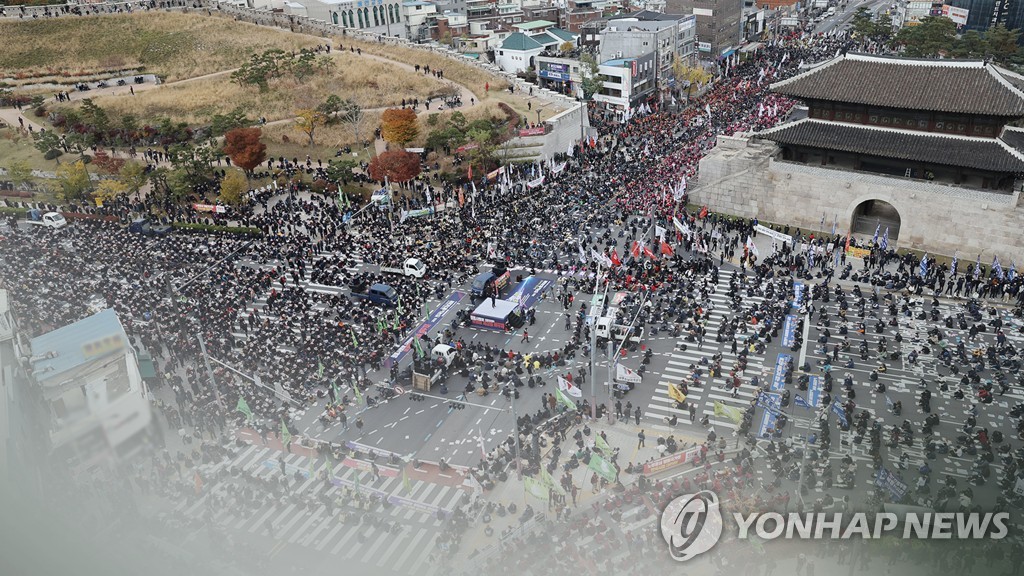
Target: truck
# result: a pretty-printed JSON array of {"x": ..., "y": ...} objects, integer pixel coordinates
[
  {"x": 607, "y": 328},
  {"x": 147, "y": 228},
  {"x": 53, "y": 220},
  {"x": 499, "y": 276},
  {"x": 411, "y": 267},
  {"x": 377, "y": 293},
  {"x": 443, "y": 354}
]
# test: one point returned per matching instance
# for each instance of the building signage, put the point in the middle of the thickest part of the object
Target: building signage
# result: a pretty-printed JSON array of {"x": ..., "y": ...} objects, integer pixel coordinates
[
  {"x": 561, "y": 76},
  {"x": 538, "y": 131},
  {"x": 957, "y": 15},
  {"x": 705, "y": 46}
]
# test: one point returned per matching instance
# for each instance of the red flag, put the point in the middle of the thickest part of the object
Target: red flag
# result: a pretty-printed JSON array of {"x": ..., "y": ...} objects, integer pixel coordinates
[
  {"x": 703, "y": 212},
  {"x": 648, "y": 252},
  {"x": 635, "y": 249},
  {"x": 615, "y": 258},
  {"x": 847, "y": 241},
  {"x": 666, "y": 249},
  {"x": 593, "y": 142},
  {"x": 470, "y": 172}
]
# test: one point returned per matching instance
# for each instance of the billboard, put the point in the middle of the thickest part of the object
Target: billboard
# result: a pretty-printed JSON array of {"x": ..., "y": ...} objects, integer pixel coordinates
[
  {"x": 957, "y": 15},
  {"x": 704, "y": 46}
]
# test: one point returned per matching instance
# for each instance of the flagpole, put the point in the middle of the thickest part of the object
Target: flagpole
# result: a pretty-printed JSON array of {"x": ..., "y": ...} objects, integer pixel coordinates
[
  {"x": 515, "y": 436},
  {"x": 593, "y": 345}
]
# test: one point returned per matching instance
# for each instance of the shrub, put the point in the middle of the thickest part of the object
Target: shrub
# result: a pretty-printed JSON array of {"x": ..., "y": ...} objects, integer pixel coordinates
[
  {"x": 52, "y": 154},
  {"x": 86, "y": 159},
  {"x": 40, "y": 111}
]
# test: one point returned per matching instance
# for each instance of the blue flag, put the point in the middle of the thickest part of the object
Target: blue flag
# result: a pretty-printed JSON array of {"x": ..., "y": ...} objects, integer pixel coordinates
[
  {"x": 997, "y": 268},
  {"x": 878, "y": 228},
  {"x": 1012, "y": 272},
  {"x": 839, "y": 411},
  {"x": 885, "y": 238},
  {"x": 924, "y": 265},
  {"x": 895, "y": 485},
  {"x": 799, "y": 401}
]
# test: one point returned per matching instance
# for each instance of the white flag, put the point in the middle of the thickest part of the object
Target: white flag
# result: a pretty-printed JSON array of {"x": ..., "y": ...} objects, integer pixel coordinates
[
  {"x": 752, "y": 247},
  {"x": 583, "y": 255},
  {"x": 682, "y": 228},
  {"x": 567, "y": 387},
  {"x": 659, "y": 232},
  {"x": 623, "y": 374}
]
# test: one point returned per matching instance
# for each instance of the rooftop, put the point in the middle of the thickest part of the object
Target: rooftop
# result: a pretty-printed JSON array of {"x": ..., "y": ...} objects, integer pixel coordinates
[
  {"x": 534, "y": 25},
  {"x": 953, "y": 86},
  {"x": 77, "y": 344},
  {"x": 520, "y": 41},
  {"x": 990, "y": 154}
]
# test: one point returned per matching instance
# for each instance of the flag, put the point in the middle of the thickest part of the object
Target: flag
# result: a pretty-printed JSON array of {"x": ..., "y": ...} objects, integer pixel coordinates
[
  {"x": 355, "y": 341},
  {"x": 198, "y": 480},
  {"x": 286, "y": 436},
  {"x": 885, "y": 239},
  {"x": 312, "y": 465},
  {"x": 601, "y": 445},
  {"x": 954, "y": 266},
  {"x": 799, "y": 401},
  {"x": 623, "y": 374},
  {"x": 977, "y": 267},
  {"x": 602, "y": 467},
  {"x": 337, "y": 393},
  {"x": 847, "y": 249},
  {"x": 536, "y": 488},
  {"x": 752, "y": 247},
  {"x": 680, "y": 190},
  {"x": 647, "y": 251},
  {"x": 406, "y": 484},
  {"x": 400, "y": 299},
  {"x": 419, "y": 348},
  {"x": 888, "y": 402},
  {"x": 730, "y": 412},
  {"x": 840, "y": 412},
  {"x": 997, "y": 268},
  {"x": 659, "y": 232},
  {"x": 924, "y": 265},
  {"x": 675, "y": 393},
  {"x": 707, "y": 108},
  {"x": 635, "y": 249},
  {"x": 562, "y": 398},
  {"x": 359, "y": 395},
  {"x": 243, "y": 407},
  {"x": 878, "y": 228},
  {"x": 600, "y": 257},
  {"x": 583, "y": 255},
  {"x": 462, "y": 195},
  {"x": 1012, "y": 272},
  {"x": 835, "y": 224},
  {"x": 568, "y": 388},
  {"x": 615, "y": 258},
  {"x": 682, "y": 228},
  {"x": 703, "y": 212},
  {"x": 666, "y": 249},
  {"x": 319, "y": 369},
  {"x": 548, "y": 481}
]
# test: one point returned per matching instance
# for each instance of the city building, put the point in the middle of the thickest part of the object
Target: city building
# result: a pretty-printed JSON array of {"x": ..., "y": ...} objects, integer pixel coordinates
[
  {"x": 718, "y": 25},
  {"x": 518, "y": 52},
  {"x": 666, "y": 36},
  {"x": 419, "y": 20},
  {"x": 559, "y": 74},
  {"x": 911, "y": 13},
  {"x": 983, "y": 14},
  {"x": 352, "y": 13},
  {"x": 91, "y": 380},
  {"x": 899, "y": 143},
  {"x": 626, "y": 83}
]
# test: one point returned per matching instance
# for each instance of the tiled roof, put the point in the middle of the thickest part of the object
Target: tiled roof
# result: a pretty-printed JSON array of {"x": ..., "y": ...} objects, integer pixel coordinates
[
  {"x": 520, "y": 41},
  {"x": 989, "y": 154},
  {"x": 954, "y": 86}
]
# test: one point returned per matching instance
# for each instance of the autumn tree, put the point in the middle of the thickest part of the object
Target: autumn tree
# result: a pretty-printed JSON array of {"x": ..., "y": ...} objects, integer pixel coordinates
[
  {"x": 233, "y": 188},
  {"x": 692, "y": 75},
  {"x": 399, "y": 126},
  {"x": 395, "y": 165},
  {"x": 308, "y": 121},
  {"x": 107, "y": 163},
  {"x": 245, "y": 149},
  {"x": 73, "y": 179},
  {"x": 108, "y": 190}
]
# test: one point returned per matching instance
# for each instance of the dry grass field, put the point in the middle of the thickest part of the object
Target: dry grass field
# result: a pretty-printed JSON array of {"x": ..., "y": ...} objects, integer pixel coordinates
[
  {"x": 371, "y": 84},
  {"x": 170, "y": 44}
]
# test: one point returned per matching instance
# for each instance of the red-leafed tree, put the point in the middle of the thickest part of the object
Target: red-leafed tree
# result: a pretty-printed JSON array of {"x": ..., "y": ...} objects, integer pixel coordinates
[
  {"x": 245, "y": 149},
  {"x": 107, "y": 163},
  {"x": 396, "y": 165}
]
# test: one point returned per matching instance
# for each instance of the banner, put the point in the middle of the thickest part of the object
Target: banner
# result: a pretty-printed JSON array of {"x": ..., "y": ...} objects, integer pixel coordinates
[
  {"x": 675, "y": 393},
  {"x": 567, "y": 387},
  {"x": 897, "y": 488},
  {"x": 558, "y": 169},
  {"x": 538, "y": 131},
  {"x": 773, "y": 234},
  {"x": 536, "y": 488},
  {"x": 209, "y": 208},
  {"x": 535, "y": 183},
  {"x": 602, "y": 467},
  {"x": 671, "y": 460}
]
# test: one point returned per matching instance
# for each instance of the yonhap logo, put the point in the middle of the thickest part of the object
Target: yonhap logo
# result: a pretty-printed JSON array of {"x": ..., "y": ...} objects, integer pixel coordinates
[{"x": 691, "y": 524}]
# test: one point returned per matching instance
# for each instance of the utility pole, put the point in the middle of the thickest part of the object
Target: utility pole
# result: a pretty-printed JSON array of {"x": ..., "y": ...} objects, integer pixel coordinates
[
  {"x": 209, "y": 370},
  {"x": 515, "y": 435}
]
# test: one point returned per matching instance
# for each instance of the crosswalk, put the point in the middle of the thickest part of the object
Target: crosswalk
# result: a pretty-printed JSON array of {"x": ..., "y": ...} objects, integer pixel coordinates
[
  {"x": 678, "y": 370},
  {"x": 303, "y": 518}
]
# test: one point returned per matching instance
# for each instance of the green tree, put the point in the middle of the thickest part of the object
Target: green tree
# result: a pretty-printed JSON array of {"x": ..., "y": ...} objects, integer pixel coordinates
[
  {"x": 73, "y": 179},
  {"x": 19, "y": 172},
  {"x": 970, "y": 45},
  {"x": 261, "y": 68},
  {"x": 482, "y": 156},
  {"x": 458, "y": 120},
  {"x": 883, "y": 27},
  {"x": 340, "y": 170},
  {"x": 193, "y": 161},
  {"x": 46, "y": 140},
  {"x": 220, "y": 124},
  {"x": 933, "y": 37},
  {"x": 591, "y": 77},
  {"x": 862, "y": 24},
  {"x": 450, "y": 136},
  {"x": 233, "y": 188},
  {"x": 304, "y": 66},
  {"x": 1002, "y": 43}
]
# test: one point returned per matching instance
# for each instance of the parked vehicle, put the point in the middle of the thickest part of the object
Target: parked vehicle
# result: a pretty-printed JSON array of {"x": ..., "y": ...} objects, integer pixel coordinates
[
  {"x": 411, "y": 267},
  {"x": 498, "y": 276},
  {"x": 378, "y": 294},
  {"x": 48, "y": 220},
  {"x": 144, "y": 226}
]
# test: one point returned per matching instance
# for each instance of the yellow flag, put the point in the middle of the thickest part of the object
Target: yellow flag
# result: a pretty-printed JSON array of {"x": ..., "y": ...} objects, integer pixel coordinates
[
  {"x": 676, "y": 394},
  {"x": 729, "y": 412}
]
